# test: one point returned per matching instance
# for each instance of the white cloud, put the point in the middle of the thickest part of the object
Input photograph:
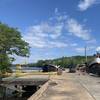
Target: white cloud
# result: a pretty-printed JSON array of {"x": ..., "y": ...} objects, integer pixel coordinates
[
  {"x": 59, "y": 17},
  {"x": 45, "y": 35},
  {"x": 85, "y": 4},
  {"x": 98, "y": 49},
  {"x": 23, "y": 60},
  {"x": 56, "y": 31},
  {"x": 92, "y": 41},
  {"x": 82, "y": 49},
  {"x": 58, "y": 44},
  {"x": 78, "y": 30},
  {"x": 73, "y": 44},
  {"x": 56, "y": 10},
  {"x": 48, "y": 34}
]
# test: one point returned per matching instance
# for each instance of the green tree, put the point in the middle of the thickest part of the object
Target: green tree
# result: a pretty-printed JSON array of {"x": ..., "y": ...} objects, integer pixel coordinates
[{"x": 11, "y": 42}]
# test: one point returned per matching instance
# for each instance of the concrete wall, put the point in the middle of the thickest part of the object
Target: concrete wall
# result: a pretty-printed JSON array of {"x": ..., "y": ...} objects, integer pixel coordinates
[{"x": 39, "y": 93}]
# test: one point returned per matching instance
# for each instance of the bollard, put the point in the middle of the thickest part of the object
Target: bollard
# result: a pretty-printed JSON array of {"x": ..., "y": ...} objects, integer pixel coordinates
[{"x": 59, "y": 71}]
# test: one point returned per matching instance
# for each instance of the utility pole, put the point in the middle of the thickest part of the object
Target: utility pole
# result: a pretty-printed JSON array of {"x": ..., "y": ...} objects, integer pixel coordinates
[{"x": 85, "y": 53}]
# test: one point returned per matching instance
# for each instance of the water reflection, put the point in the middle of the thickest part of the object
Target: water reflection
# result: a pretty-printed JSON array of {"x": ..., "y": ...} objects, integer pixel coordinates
[{"x": 9, "y": 94}]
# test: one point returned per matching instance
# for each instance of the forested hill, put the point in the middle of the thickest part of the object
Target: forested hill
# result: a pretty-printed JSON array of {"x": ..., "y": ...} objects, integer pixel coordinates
[{"x": 63, "y": 61}]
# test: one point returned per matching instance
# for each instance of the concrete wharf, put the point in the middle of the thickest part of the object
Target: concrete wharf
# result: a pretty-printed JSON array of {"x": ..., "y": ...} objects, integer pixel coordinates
[
  {"x": 25, "y": 80},
  {"x": 69, "y": 86}
]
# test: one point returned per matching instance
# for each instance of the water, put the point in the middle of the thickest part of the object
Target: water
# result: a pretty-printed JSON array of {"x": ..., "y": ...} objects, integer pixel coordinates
[
  {"x": 27, "y": 69},
  {"x": 8, "y": 94}
]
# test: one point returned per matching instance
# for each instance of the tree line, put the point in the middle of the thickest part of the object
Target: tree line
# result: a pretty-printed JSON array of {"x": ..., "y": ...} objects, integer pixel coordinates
[{"x": 64, "y": 62}]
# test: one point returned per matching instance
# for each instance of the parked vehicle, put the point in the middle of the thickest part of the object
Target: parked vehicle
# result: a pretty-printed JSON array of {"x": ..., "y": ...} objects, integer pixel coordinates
[{"x": 94, "y": 66}]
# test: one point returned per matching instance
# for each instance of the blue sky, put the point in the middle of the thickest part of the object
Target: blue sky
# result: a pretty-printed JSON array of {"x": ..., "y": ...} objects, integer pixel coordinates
[{"x": 54, "y": 28}]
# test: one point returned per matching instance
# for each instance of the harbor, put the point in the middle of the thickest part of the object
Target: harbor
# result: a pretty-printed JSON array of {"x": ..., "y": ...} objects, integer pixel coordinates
[
  {"x": 50, "y": 86},
  {"x": 49, "y": 50}
]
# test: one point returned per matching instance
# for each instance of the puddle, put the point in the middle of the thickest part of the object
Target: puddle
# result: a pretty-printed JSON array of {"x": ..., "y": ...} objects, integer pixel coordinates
[{"x": 52, "y": 83}]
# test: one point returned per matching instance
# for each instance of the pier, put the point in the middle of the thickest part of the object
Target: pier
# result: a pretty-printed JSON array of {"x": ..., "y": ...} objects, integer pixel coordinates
[{"x": 69, "y": 86}]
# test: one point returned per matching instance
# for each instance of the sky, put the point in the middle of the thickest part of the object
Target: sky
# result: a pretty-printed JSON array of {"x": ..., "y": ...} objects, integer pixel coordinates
[{"x": 54, "y": 28}]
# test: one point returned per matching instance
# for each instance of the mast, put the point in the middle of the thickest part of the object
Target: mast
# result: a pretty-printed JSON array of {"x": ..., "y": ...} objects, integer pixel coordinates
[{"x": 85, "y": 53}]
